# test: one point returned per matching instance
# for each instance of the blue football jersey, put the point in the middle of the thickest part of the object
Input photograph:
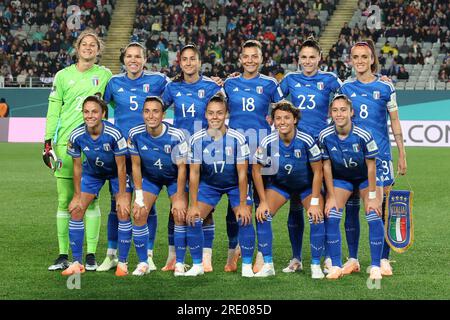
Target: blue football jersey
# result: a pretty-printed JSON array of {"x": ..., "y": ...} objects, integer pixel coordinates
[
  {"x": 348, "y": 156},
  {"x": 218, "y": 158},
  {"x": 127, "y": 96},
  {"x": 311, "y": 94},
  {"x": 372, "y": 102},
  {"x": 99, "y": 153},
  {"x": 249, "y": 102},
  {"x": 189, "y": 102},
  {"x": 159, "y": 155},
  {"x": 291, "y": 169}
]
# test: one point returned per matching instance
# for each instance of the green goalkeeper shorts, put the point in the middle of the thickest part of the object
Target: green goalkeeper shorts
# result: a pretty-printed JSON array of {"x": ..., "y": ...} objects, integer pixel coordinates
[{"x": 66, "y": 170}]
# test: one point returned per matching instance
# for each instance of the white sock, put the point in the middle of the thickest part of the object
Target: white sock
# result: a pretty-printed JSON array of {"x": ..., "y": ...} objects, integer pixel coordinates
[
  {"x": 207, "y": 251},
  {"x": 111, "y": 252},
  {"x": 150, "y": 253}
]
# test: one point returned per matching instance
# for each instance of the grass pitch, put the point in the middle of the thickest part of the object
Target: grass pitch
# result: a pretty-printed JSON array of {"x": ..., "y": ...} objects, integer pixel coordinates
[{"x": 29, "y": 245}]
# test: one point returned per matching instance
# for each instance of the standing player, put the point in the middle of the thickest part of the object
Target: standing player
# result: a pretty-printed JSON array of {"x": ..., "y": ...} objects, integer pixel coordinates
[
  {"x": 104, "y": 149},
  {"x": 218, "y": 165},
  {"x": 310, "y": 91},
  {"x": 374, "y": 101},
  {"x": 70, "y": 87},
  {"x": 292, "y": 160},
  {"x": 158, "y": 153},
  {"x": 126, "y": 93},
  {"x": 249, "y": 98},
  {"x": 189, "y": 93},
  {"x": 349, "y": 154}
]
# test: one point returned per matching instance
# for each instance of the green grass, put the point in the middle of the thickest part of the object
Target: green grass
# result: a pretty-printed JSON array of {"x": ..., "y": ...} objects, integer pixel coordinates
[{"x": 29, "y": 245}]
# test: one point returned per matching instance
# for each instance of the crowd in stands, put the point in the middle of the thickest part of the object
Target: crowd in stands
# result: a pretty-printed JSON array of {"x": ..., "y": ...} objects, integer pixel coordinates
[
  {"x": 281, "y": 26},
  {"x": 35, "y": 41},
  {"x": 417, "y": 22}
]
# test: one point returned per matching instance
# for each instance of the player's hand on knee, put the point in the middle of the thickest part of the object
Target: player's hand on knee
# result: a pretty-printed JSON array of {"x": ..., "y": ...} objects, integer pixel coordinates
[
  {"x": 123, "y": 205},
  {"x": 315, "y": 213},
  {"x": 192, "y": 215},
  {"x": 49, "y": 156},
  {"x": 179, "y": 210},
  {"x": 374, "y": 205},
  {"x": 330, "y": 204},
  {"x": 244, "y": 214},
  {"x": 261, "y": 212}
]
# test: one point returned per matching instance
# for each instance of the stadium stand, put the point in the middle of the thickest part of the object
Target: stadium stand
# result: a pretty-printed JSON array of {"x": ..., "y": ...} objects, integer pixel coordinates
[
  {"x": 35, "y": 41},
  {"x": 414, "y": 35}
]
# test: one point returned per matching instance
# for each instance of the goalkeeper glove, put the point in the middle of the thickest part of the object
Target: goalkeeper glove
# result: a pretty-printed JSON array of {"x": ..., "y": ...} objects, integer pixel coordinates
[{"x": 49, "y": 156}]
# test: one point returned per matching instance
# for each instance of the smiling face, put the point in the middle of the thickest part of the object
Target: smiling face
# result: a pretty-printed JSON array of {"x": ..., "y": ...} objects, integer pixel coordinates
[
  {"x": 88, "y": 49},
  {"x": 134, "y": 60},
  {"x": 153, "y": 114},
  {"x": 189, "y": 62},
  {"x": 309, "y": 59},
  {"x": 92, "y": 114},
  {"x": 341, "y": 113},
  {"x": 362, "y": 59},
  {"x": 284, "y": 121},
  {"x": 251, "y": 59},
  {"x": 216, "y": 113}
]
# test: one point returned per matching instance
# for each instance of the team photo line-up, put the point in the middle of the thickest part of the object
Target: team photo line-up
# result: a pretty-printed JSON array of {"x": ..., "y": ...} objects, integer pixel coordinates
[{"x": 323, "y": 151}]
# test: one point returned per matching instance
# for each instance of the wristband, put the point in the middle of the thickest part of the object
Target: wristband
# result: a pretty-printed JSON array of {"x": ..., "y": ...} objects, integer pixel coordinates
[
  {"x": 314, "y": 201},
  {"x": 372, "y": 195},
  {"x": 139, "y": 199}
]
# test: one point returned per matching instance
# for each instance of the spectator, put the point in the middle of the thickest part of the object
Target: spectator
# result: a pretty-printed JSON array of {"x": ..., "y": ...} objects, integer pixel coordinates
[
  {"x": 429, "y": 59},
  {"x": 402, "y": 74},
  {"x": 22, "y": 78},
  {"x": 410, "y": 59},
  {"x": 443, "y": 76}
]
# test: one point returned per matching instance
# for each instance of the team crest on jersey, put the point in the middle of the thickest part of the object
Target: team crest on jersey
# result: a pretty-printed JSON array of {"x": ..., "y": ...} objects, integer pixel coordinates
[
  {"x": 228, "y": 151},
  {"x": 106, "y": 147},
  {"x": 356, "y": 147},
  {"x": 167, "y": 148},
  {"x": 95, "y": 81},
  {"x": 201, "y": 93},
  {"x": 320, "y": 85},
  {"x": 376, "y": 95},
  {"x": 259, "y": 90},
  {"x": 146, "y": 87},
  {"x": 297, "y": 153}
]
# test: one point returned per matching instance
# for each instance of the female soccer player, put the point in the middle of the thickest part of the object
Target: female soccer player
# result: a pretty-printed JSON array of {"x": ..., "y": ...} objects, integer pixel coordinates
[
  {"x": 189, "y": 93},
  {"x": 126, "y": 93},
  {"x": 310, "y": 91},
  {"x": 373, "y": 101},
  {"x": 104, "y": 148},
  {"x": 249, "y": 98},
  {"x": 218, "y": 165},
  {"x": 349, "y": 154},
  {"x": 292, "y": 160},
  {"x": 158, "y": 153},
  {"x": 70, "y": 87}
]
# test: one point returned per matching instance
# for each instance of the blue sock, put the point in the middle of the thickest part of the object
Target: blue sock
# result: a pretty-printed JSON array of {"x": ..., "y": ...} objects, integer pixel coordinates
[
  {"x": 124, "y": 238},
  {"x": 333, "y": 236},
  {"x": 376, "y": 236},
  {"x": 195, "y": 241},
  {"x": 386, "y": 248},
  {"x": 232, "y": 228},
  {"x": 352, "y": 228},
  {"x": 170, "y": 229},
  {"x": 317, "y": 240},
  {"x": 296, "y": 226},
  {"x": 140, "y": 237},
  {"x": 246, "y": 242},
  {"x": 180, "y": 242},
  {"x": 208, "y": 235},
  {"x": 76, "y": 236},
  {"x": 152, "y": 223},
  {"x": 113, "y": 224},
  {"x": 265, "y": 238}
]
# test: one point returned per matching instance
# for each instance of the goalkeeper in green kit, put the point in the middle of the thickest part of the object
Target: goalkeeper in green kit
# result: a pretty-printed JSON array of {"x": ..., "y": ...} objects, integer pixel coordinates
[{"x": 70, "y": 87}]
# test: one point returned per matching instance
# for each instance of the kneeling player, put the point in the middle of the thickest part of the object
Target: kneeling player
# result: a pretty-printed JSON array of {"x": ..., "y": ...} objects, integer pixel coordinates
[
  {"x": 349, "y": 154},
  {"x": 158, "y": 154},
  {"x": 104, "y": 148},
  {"x": 218, "y": 165},
  {"x": 292, "y": 160}
]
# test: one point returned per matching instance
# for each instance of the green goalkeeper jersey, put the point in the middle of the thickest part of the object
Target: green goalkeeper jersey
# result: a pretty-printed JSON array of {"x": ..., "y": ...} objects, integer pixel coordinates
[{"x": 70, "y": 88}]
